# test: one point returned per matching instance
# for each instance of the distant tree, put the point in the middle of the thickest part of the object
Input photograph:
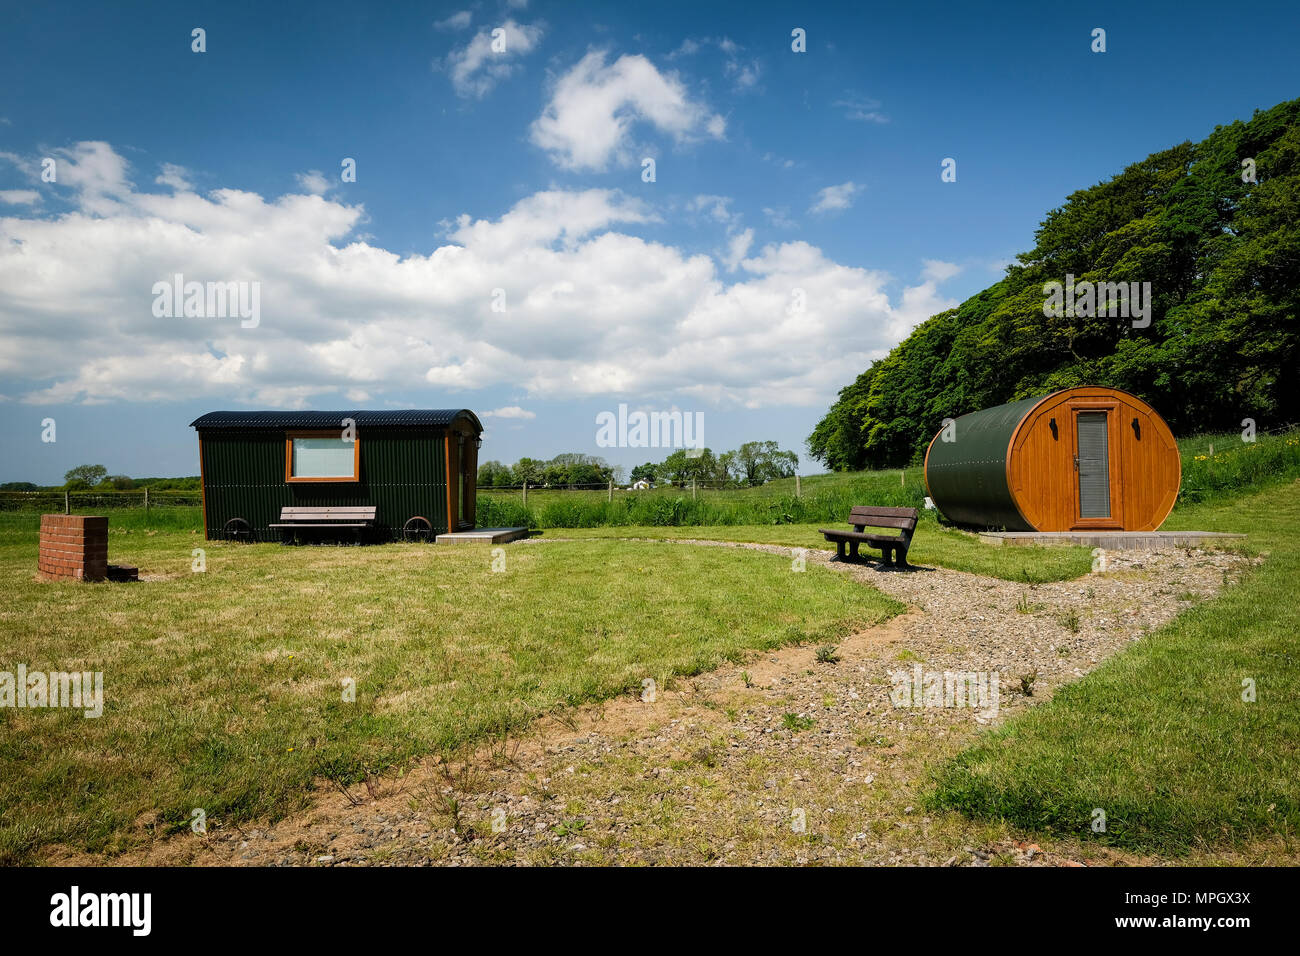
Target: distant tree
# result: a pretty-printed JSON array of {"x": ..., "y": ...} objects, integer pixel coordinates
[
  {"x": 727, "y": 466},
  {"x": 759, "y": 461},
  {"x": 571, "y": 469},
  {"x": 648, "y": 471},
  {"x": 493, "y": 474},
  {"x": 528, "y": 470},
  {"x": 119, "y": 482},
  {"x": 684, "y": 464},
  {"x": 191, "y": 483},
  {"x": 17, "y": 486},
  {"x": 89, "y": 474}
]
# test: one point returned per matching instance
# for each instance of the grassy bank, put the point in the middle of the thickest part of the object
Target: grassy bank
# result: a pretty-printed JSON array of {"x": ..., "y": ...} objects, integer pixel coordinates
[
  {"x": 1160, "y": 738},
  {"x": 223, "y": 689},
  {"x": 932, "y": 544}
]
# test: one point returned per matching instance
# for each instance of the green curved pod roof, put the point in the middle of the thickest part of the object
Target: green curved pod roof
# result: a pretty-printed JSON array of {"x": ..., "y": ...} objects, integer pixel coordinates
[{"x": 967, "y": 476}]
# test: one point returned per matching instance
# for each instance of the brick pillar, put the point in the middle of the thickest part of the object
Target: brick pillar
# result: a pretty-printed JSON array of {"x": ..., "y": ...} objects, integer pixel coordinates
[{"x": 74, "y": 546}]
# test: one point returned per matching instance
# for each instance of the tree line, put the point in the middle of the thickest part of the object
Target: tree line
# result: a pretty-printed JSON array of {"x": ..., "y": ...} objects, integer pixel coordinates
[
  {"x": 1213, "y": 226},
  {"x": 97, "y": 478},
  {"x": 751, "y": 464}
]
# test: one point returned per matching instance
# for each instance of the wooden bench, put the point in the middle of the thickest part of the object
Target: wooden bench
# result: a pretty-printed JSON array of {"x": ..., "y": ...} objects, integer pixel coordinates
[
  {"x": 356, "y": 518},
  {"x": 904, "y": 519}
]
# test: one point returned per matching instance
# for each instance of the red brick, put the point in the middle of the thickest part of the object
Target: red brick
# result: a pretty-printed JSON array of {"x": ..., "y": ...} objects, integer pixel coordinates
[{"x": 74, "y": 547}]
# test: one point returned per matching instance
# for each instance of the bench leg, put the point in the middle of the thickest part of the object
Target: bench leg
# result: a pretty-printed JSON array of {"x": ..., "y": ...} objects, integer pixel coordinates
[
  {"x": 839, "y": 550},
  {"x": 853, "y": 551},
  {"x": 900, "y": 558}
]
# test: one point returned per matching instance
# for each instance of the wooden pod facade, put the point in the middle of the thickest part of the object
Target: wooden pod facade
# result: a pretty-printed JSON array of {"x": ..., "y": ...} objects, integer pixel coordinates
[
  {"x": 1082, "y": 459},
  {"x": 417, "y": 466}
]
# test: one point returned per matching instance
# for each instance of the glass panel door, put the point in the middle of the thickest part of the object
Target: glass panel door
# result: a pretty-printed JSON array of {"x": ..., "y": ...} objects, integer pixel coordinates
[{"x": 1093, "y": 464}]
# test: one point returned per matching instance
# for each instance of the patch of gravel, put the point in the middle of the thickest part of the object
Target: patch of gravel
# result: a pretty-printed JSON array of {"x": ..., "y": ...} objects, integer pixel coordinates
[{"x": 715, "y": 770}]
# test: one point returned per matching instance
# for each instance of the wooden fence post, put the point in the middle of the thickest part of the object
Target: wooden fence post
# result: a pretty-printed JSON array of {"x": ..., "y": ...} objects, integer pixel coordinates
[
  {"x": 611, "y": 491},
  {"x": 67, "y": 505},
  {"x": 798, "y": 489},
  {"x": 525, "y": 494},
  {"x": 692, "y": 487}
]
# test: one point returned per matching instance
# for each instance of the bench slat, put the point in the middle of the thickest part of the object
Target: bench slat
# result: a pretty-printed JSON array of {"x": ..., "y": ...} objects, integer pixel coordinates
[
  {"x": 332, "y": 524},
  {"x": 884, "y": 521},
  {"x": 310, "y": 512},
  {"x": 350, "y": 516},
  {"x": 885, "y": 512}
]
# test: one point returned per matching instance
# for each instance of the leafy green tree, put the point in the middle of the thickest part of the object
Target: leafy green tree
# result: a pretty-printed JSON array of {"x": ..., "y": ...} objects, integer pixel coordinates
[
  {"x": 491, "y": 474},
  {"x": 87, "y": 475},
  {"x": 528, "y": 470},
  {"x": 758, "y": 461},
  {"x": 648, "y": 471},
  {"x": 685, "y": 464},
  {"x": 1221, "y": 254}
]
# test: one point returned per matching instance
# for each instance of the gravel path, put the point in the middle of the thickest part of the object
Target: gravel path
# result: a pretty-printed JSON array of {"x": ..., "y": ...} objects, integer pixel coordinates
[{"x": 785, "y": 759}]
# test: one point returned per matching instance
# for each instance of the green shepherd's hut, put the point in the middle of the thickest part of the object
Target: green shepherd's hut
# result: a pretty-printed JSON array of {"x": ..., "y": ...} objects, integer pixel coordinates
[{"x": 416, "y": 467}]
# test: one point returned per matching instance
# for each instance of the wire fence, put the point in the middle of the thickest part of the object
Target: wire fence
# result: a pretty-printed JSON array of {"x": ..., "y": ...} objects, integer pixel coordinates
[
  {"x": 68, "y": 502},
  {"x": 788, "y": 485}
]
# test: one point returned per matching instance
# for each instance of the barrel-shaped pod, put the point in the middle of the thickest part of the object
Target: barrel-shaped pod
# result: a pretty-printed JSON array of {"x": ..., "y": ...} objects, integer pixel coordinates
[
  {"x": 1090, "y": 458},
  {"x": 966, "y": 467}
]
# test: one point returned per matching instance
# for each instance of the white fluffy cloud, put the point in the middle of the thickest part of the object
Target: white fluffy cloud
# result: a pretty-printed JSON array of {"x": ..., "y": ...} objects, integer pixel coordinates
[
  {"x": 313, "y": 181},
  {"x": 835, "y": 198},
  {"x": 936, "y": 270},
  {"x": 177, "y": 177},
  {"x": 19, "y": 197},
  {"x": 589, "y": 120},
  {"x": 476, "y": 68},
  {"x": 591, "y": 309},
  {"x": 737, "y": 248},
  {"x": 457, "y": 21},
  {"x": 510, "y": 411}
]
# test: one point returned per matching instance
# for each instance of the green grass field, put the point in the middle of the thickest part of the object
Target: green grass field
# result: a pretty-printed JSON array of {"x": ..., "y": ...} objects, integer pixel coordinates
[
  {"x": 223, "y": 689},
  {"x": 932, "y": 544},
  {"x": 1160, "y": 738}
]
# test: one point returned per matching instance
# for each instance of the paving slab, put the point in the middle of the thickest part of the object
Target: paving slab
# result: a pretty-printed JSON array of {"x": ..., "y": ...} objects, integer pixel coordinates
[
  {"x": 1113, "y": 540},
  {"x": 482, "y": 536}
]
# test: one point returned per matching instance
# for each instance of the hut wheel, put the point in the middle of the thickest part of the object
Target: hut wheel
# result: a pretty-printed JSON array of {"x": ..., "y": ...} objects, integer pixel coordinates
[
  {"x": 417, "y": 528},
  {"x": 237, "y": 529}
]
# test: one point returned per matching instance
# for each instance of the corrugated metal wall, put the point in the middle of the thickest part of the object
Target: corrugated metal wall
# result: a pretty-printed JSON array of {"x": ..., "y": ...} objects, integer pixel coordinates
[
  {"x": 403, "y": 473},
  {"x": 967, "y": 477}
]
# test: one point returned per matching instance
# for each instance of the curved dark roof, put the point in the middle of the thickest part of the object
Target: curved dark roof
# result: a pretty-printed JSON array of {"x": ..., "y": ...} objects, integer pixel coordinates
[{"x": 397, "y": 418}]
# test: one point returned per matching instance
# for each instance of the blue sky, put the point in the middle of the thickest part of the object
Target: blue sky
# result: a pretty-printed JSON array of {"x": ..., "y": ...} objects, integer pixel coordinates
[{"x": 521, "y": 170}]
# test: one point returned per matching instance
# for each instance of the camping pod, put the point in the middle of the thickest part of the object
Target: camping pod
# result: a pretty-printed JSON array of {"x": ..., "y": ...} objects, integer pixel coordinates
[
  {"x": 1082, "y": 459},
  {"x": 253, "y": 464}
]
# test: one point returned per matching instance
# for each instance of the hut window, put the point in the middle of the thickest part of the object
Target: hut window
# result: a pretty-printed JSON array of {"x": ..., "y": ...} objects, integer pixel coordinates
[{"x": 321, "y": 456}]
